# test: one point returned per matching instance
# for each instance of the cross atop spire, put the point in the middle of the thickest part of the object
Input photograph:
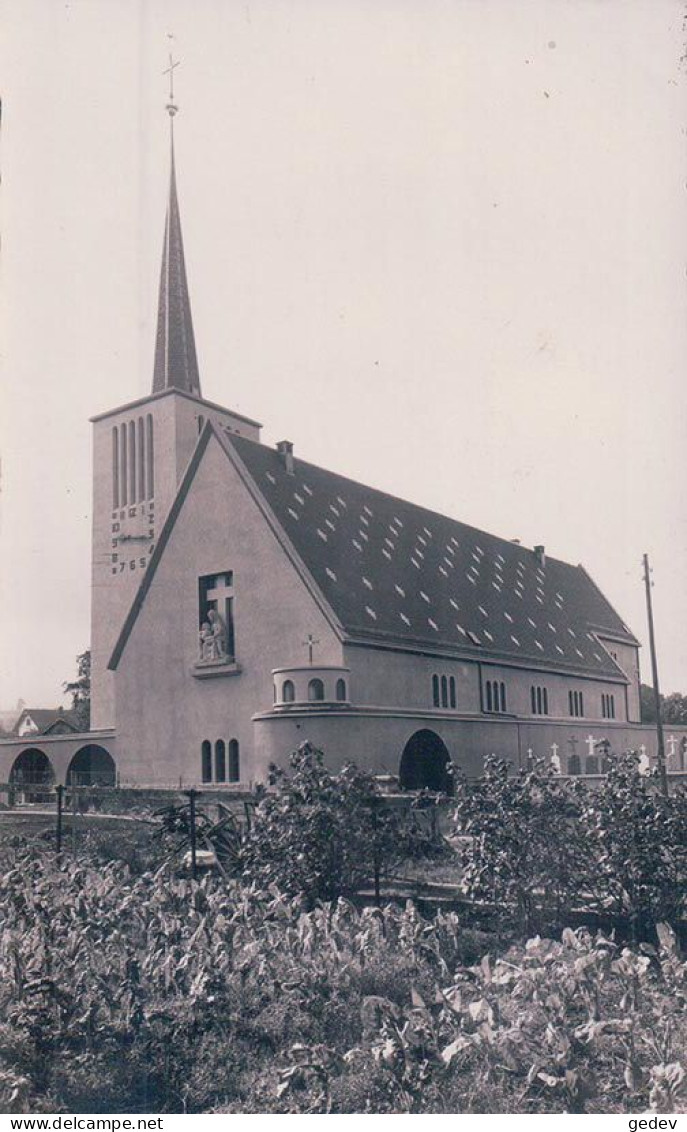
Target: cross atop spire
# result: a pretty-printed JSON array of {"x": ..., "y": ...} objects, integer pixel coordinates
[
  {"x": 171, "y": 108},
  {"x": 176, "y": 364}
]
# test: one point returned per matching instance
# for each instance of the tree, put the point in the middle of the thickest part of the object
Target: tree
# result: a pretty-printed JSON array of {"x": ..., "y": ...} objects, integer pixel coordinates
[
  {"x": 80, "y": 691},
  {"x": 648, "y": 703},
  {"x": 673, "y": 707}
]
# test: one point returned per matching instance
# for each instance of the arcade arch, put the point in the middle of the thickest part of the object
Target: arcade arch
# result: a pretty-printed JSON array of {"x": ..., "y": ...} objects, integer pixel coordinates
[
  {"x": 92, "y": 765},
  {"x": 425, "y": 763}
]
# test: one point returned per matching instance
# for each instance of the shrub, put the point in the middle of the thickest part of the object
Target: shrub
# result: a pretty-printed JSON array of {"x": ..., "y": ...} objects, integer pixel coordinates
[
  {"x": 525, "y": 846},
  {"x": 638, "y": 846},
  {"x": 537, "y": 846},
  {"x": 318, "y": 833}
]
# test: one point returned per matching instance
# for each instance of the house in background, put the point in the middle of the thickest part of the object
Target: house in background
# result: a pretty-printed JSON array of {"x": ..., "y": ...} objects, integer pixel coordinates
[{"x": 44, "y": 721}]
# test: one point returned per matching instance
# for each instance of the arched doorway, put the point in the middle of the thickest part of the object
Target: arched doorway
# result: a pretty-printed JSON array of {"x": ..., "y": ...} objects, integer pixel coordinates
[
  {"x": 425, "y": 764},
  {"x": 32, "y": 776},
  {"x": 92, "y": 766}
]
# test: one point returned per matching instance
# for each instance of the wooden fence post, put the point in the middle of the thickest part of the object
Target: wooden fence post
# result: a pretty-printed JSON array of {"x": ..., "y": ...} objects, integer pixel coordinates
[
  {"x": 192, "y": 814},
  {"x": 376, "y": 862},
  {"x": 58, "y": 831},
  {"x": 74, "y": 805}
]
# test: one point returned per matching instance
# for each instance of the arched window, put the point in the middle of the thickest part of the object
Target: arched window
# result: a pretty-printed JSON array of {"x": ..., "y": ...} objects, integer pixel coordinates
[
  {"x": 545, "y": 698},
  {"x": 503, "y": 697},
  {"x": 435, "y": 691},
  {"x": 150, "y": 454},
  {"x": 274, "y": 693},
  {"x": 115, "y": 467},
  {"x": 132, "y": 462},
  {"x": 220, "y": 761},
  {"x": 489, "y": 699},
  {"x": 140, "y": 432},
  {"x": 591, "y": 765},
  {"x": 444, "y": 692},
  {"x": 123, "y": 467},
  {"x": 341, "y": 690},
  {"x": 315, "y": 689},
  {"x": 206, "y": 761},
  {"x": 288, "y": 692},
  {"x": 574, "y": 765},
  {"x": 452, "y": 690},
  {"x": 234, "y": 768},
  {"x": 533, "y": 696}
]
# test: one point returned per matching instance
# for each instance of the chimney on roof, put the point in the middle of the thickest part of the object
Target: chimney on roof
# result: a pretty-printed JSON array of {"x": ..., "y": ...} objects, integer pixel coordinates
[
  {"x": 285, "y": 450},
  {"x": 540, "y": 555}
]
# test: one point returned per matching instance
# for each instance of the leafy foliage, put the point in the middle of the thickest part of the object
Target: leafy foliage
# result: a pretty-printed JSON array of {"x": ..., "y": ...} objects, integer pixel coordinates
[
  {"x": 537, "y": 846},
  {"x": 637, "y": 840},
  {"x": 317, "y": 833},
  {"x": 80, "y": 691},
  {"x": 124, "y": 993},
  {"x": 673, "y": 706},
  {"x": 525, "y": 845}
]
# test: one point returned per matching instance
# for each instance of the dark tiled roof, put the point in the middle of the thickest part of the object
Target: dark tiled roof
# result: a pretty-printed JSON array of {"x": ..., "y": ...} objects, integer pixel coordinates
[{"x": 399, "y": 573}]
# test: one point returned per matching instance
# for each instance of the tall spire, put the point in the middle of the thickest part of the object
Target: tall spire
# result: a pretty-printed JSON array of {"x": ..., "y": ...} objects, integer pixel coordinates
[{"x": 176, "y": 364}]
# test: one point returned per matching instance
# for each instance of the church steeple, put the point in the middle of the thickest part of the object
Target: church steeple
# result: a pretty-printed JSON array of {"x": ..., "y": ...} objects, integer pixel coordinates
[{"x": 176, "y": 364}]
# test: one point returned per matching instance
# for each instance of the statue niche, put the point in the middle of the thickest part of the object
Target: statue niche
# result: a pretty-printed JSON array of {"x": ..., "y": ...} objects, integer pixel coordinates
[{"x": 213, "y": 639}]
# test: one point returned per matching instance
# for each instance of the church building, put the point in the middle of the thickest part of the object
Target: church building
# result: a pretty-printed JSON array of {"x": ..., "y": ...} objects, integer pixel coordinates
[{"x": 245, "y": 600}]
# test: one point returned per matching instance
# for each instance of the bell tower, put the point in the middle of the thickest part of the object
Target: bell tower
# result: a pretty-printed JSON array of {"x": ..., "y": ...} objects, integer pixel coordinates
[{"x": 140, "y": 451}]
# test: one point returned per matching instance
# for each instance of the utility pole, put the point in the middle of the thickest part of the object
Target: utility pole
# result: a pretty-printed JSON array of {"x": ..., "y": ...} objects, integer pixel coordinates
[{"x": 661, "y": 757}]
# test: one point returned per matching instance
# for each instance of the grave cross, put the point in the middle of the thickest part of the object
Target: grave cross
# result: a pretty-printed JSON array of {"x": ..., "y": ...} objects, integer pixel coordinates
[
  {"x": 590, "y": 741},
  {"x": 310, "y": 641},
  {"x": 672, "y": 743},
  {"x": 555, "y": 761}
]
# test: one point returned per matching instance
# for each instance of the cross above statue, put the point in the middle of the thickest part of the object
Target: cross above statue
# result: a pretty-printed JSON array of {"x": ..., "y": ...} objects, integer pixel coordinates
[
  {"x": 222, "y": 590},
  {"x": 310, "y": 641}
]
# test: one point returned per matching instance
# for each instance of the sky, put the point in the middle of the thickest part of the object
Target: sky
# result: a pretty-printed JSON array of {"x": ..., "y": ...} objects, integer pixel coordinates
[{"x": 438, "y": 244}]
